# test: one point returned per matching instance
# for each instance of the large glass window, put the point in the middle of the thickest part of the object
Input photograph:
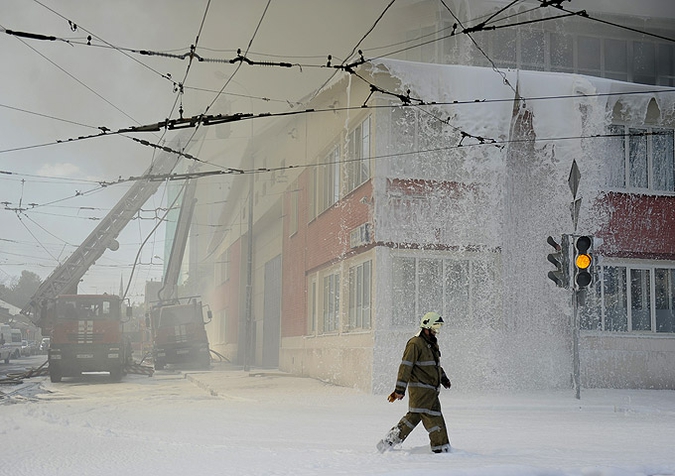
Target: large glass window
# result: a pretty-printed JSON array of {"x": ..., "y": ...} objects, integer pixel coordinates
[
  {"x": 462, "y": 290},
  {"x": 637, "y": 298},
  {"x": 646, "y": 62},
  {"x": 641, "y": 158}
]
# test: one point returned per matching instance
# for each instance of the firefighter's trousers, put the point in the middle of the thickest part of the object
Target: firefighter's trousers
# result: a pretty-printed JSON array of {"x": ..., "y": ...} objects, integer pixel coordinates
[{"x": 433, "y": 422}]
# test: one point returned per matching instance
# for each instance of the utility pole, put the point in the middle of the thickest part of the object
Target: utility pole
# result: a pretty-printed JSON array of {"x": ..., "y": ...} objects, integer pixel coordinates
[{"x": 249, "y": 280}]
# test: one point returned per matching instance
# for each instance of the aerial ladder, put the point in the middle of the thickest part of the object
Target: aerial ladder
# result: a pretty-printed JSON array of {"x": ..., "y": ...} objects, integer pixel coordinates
[
  {"x": 87, "y": 330},
  {"x": 178, "y": 333}
]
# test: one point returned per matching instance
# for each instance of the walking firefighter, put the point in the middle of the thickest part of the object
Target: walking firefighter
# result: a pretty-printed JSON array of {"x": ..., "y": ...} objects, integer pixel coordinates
[{"x": 421, "y": 372}]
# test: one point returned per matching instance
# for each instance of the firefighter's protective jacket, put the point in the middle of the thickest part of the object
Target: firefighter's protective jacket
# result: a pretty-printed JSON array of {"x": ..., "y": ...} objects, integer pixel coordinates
[{"x": 421, "y": 372}]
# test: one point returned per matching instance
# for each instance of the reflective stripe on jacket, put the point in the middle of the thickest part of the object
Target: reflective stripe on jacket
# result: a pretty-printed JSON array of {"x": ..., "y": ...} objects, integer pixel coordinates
[{"x": 421, "y": 372}]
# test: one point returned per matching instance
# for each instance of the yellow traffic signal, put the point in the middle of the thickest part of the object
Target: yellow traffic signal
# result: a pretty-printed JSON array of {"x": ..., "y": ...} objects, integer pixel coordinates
[{"x": 582, "y": 260}]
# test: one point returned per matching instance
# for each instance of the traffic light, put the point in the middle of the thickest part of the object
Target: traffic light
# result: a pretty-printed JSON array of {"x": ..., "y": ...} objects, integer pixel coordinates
[
  {"x": 583, "y": 261},
  {"x": 560, "y": 259}
]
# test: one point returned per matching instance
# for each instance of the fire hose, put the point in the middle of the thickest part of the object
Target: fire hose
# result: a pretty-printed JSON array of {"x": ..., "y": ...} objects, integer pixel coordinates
[{"x": 17, "y": 378}]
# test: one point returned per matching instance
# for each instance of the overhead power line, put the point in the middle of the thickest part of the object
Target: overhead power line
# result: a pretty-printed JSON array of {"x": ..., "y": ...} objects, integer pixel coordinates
[
  {"x": 406, "y": 100},
  {"x": 584, "y": 14},
  {"x": 459, "y": 145}
]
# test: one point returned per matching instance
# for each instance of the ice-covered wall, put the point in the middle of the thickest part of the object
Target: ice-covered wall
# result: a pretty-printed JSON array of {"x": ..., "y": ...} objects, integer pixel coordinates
[{"x": 505, "y": 196}]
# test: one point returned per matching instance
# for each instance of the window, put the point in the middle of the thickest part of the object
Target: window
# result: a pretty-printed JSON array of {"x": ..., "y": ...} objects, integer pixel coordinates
[
  {"x": 562, "y": 53},
  {"x": 358, "y": 157},
  {"x": 640, "y": 300},
  {"x": 324, "y": 184},
  {"x": 462, "y": 290},
  {"x": 589, "y": 56},
  {"x": 331, "y": 302},
  {"x": 329, "y": 180},
  {"x": 646, "y": 62},
  {"x": 641, "y": 158},
  {"x": 419, "y": 139},
  {"x": 632, "y": 298},
  {"x": 359, "y": 296},
  {"x": 312, "y": 305},
  {"x": 533, "y": 50},
  {"x": 666, "y": 65},
  {"x": 664, "y": 285},
  {"x": 616, "y": 59}
]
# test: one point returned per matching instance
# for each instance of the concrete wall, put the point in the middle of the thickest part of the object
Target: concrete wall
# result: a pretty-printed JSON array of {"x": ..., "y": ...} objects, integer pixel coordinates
[
  {"x": 627, "y": 361},
  {"x": 344, "y": 359}
]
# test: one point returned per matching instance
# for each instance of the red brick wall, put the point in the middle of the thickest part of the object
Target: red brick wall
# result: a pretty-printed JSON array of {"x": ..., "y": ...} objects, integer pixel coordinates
[
  {"x": 317, "y": 244},
  {"x": 328, "y": 234},
  {"x": 638, "y": 226}
]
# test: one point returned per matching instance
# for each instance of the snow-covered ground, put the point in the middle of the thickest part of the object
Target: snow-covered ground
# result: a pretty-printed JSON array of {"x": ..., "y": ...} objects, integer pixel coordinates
[{"x": 228, "y": 422}]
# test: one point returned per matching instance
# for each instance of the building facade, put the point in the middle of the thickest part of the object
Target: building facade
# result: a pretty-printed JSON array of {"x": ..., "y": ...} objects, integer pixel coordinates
[{"x": 431, "y": 181}]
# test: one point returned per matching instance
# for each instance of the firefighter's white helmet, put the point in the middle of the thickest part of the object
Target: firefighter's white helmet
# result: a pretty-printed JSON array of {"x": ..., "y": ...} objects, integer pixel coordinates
[{"x": 431, "y": 320}]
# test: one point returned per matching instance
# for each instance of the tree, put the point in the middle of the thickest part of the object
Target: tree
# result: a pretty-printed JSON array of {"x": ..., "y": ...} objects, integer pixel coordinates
[{"x": 21, "y": 290}]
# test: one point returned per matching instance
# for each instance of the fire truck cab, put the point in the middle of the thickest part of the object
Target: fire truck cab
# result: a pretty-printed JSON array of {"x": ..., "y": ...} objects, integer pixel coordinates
[{"x": 87, "y": 336}]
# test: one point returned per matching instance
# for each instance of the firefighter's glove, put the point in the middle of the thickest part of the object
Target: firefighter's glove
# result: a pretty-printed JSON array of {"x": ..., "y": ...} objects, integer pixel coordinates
[
  {"x": 445, "y": 381},
  {"x": 395, "y": 396}
]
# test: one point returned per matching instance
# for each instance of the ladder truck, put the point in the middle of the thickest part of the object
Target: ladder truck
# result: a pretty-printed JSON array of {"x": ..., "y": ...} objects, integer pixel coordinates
[
  {"x": 178, "y": 333},
  {"x": 87, "y": 330}
]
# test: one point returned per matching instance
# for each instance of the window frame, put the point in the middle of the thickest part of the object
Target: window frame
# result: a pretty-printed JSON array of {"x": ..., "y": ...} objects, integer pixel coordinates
[
  {"x": 658, "y": 73},
  {"x": 330, "y": 300},
  {"x": 654, "y": 169},
  {"x": 472, "y": 315},
  {"x": 357, "y": 155},
  {"x": 361, "y": 295},
  {"x": 595, "y": 316}
]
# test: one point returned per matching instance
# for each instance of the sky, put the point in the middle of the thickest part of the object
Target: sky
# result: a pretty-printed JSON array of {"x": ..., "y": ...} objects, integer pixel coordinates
[
  {"x": 56, "y": 91},
  {"x": 232, "y": 423}
]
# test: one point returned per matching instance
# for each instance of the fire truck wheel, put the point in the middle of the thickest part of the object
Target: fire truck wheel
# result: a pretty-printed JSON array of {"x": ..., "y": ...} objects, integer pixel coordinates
[{"x": 116, "y": 374}]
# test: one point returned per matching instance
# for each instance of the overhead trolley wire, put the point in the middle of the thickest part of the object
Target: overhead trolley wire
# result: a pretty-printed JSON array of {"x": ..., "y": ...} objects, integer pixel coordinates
[
  {"x": 110, "y": 45},
  {"x": 584, "y": 14}
]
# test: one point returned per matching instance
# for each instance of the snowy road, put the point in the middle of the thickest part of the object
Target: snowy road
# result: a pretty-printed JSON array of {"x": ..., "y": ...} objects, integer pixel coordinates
[{"x": 227, "y": 422}]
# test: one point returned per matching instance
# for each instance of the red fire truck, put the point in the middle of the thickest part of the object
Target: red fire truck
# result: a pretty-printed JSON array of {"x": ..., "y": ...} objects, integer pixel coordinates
[{"x": 87, "y": 336}]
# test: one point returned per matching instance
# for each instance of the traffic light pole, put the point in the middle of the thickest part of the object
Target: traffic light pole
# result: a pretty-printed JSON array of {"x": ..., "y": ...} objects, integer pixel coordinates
[{"x": 575, "y": 343}]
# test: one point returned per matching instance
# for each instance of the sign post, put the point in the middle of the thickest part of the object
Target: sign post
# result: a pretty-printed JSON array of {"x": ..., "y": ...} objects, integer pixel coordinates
[{"x": 573, "y": 181}]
